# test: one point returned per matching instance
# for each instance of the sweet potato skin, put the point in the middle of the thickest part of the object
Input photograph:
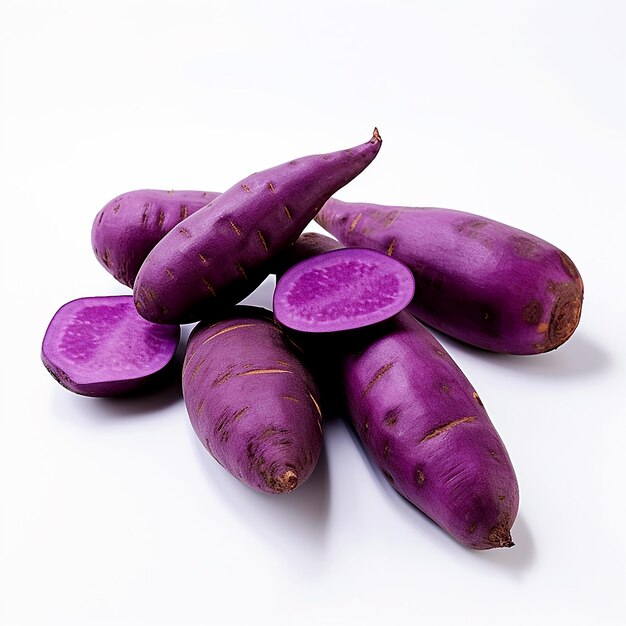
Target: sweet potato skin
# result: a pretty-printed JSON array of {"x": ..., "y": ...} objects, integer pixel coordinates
[
  {"x": 425, "y": 427},
  {"x": 251, "y": 401},
  {"x": 478, "y": 280},
  {"x": 223, "y": 252},
  {"x": 127, "y": 228}
]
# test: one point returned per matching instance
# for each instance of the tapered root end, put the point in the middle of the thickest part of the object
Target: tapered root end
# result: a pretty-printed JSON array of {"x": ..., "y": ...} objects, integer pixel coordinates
[
  {"x": 284, "y": 483},
  {"x": 500, "y": 537},
  {"x": 376, "y": 138}
]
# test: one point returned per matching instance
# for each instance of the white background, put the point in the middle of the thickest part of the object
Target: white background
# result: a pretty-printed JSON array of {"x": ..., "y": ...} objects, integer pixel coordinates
[{"x": 111, "y": 511}]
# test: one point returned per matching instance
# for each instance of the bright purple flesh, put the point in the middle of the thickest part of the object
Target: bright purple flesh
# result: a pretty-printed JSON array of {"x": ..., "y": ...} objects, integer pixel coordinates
[
  {"x": 101, "y": 346},
  {"x": 342, "y": 290}
]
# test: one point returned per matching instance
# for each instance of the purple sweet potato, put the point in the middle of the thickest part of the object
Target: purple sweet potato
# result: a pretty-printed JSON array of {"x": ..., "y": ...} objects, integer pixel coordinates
[
  {"x": 100, "y": 346},
  {"x": 223, "y": 252},
  {"x": 342, "y": 290},
  {"x": 478, "y": 280},
  {"x": 419, "y": 418},
  {"x": 127, "y": 228},
  {"x": 252, "y": 403},
  {"x": 425, "y": 427}
]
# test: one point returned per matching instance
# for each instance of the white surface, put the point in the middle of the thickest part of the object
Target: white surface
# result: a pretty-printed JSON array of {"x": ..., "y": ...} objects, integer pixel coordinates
[{"x": 111, "y": 511}]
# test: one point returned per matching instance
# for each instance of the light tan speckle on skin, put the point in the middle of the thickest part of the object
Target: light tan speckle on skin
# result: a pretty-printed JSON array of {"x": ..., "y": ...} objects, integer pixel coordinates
[
  {"x": 287, "y": 211},
  {"x": 226, "y": 330},
  {"x": 543, "y": 327},
  {"x": 262, "y": 239},
  {"x": 235, "y": 228},
  {"x": 202, "y": 259},
  {"x": 392, "y": 245},
  {"x": 355, "y": 222},
  {"x": 246, "y": 188},
  {"x": 169, "y": 273}
]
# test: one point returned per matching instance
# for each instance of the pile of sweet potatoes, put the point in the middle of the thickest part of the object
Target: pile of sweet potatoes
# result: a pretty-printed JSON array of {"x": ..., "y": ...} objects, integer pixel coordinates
[{"x": 344, "y": 330}]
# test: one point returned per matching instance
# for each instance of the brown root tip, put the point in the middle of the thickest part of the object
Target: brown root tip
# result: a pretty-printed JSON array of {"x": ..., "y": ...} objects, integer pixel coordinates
[
  {"x": 500, "y": 537},
  {"x": 376, "y": 136},
  {"x": 285, "y": 483}
]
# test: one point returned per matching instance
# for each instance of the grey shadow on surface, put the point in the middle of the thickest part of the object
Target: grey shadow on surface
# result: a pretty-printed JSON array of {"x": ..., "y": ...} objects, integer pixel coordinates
[
  {"x": 579, "y": 356},
  {"x": 293, "y": 523}
]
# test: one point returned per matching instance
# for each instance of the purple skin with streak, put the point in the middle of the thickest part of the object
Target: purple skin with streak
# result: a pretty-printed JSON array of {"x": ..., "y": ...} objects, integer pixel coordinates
[
  {"x": 478, "y": 280},
  {"x": 342, "y": 290},
  {"x": 221, "y": 253},
  {"x": 101, "y": 347},
  {"x": 419, "y": 418},
  {"x": 251, "y": 401},
  {"x": 425, "y": 427},
  {"x": 127, "y": 228}
]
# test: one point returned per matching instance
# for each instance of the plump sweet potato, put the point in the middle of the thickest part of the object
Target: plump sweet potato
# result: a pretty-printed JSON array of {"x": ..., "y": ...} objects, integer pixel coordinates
[
  {"x": 222, "y": 252},
  {"x": 342, "y": 290},
  {"x": 425, "y": 427},
  {"x": 127, "y": 228},
  {"x": 483, "y": 282},
  {"x": 252, "y": 403},
  {"x": 100, "y": 346}
]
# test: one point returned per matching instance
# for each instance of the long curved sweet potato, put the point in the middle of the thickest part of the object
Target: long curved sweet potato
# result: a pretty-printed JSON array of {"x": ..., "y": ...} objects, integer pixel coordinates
[
  {"x": 483, "y": 282},
  {"x": 222, "y": 252}
]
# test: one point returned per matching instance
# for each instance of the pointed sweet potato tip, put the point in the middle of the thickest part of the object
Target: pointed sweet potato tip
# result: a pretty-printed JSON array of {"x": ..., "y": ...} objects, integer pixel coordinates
[
  {"x": 500, "y": 537},
  {"x": 285, "y": 483},
  {"x": 376, "y": 136}
]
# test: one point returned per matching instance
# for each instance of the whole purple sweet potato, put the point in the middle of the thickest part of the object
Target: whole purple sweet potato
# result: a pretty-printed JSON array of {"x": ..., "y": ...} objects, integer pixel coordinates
[
  {"x": 425, "y": 427},
  {"x": 127, "y": 228},
  {"x": 480, "y": 281},
  {"x": 251, "y": 401},
  {"x": 222, "y": 252},
  {"x": 100, "y": 346}
]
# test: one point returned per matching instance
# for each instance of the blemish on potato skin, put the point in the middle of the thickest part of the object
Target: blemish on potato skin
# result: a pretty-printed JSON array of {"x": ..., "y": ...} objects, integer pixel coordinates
[
  {"x": 388, "y": 476},
  {"x": 203, "y": 259},
  {"x": 446, "y": 427},
  {"x": 477, "y": 398},
  {"x": 116, "y": 208},
  {"x": 287, "y": 211},
  {"x": 208, "y": 286},
  {"x": 262, "y": 239},
  {"x": 101, "y": 216},
  {"x": 184, "y": 211},
  {"x": 543, "y": 328},
  {"x": 161, "y": 219},
  {"x": 235, "y": 228},
  {"x": 271, "y": 187},
  {"x": 226, "y": 330},
  {"x": 419, "y": 477},
  {"x": 569, "y": 266},
  {"x": 246, "y": 188},
  {"x": 445, "y": 388},
  {"x": 386, "y": 450},
  {"x": 533, "y": 312},
  {"x": 355, "y": 222},
  {"x": 391, "y": 419},
  {"x": 473, "y": 527},
  {"x": 377, "y": 376},
  {"x": 242, "y": 271},
  {"x": 169, "y": 273},
  {"x": 184, "y": 232},
  {"x": 391, "y": 247}
]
